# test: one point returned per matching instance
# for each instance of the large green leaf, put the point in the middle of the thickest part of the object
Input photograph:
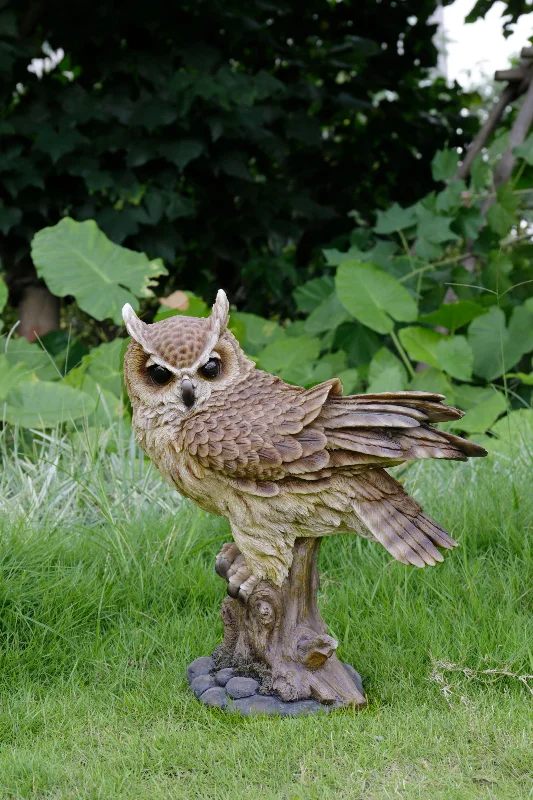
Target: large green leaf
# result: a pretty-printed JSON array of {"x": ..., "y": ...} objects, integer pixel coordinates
[
  {"x": 325, "y": 317},
  {"x": 521, "y": 327},
  {"x": 451, "y": 198},
  {"x": 386, "y": 373},
  {"x": 483, "y": 415},
  {"x": 496, "y": 347},
  {"x": 516, "y": 424},
  {"x": 434, "y": 228},
  {"x": 291, "y": 358},
  {"x": 454, "y": 315},
  {"x": 468, "y": 397},
  {"x": 38, "y": 404},
  {"x": 373, "y": 297},
  {"x": 455, "y": 357},
  {"x": 12, "y": 375},
  {"x": 394, "y": 219},
  {"x": 329, "y": 366},
  {"x": 500, "y": 220},
  {"x": 452, "y": 354},
  {"x": 257, "y": 331},
  {"x": 76, "y": 258},
  {"x": 444, "y": 165},
  {"x": 433, "y": 380},
  {"x": 480, "y": 174},
  {"x": 513, "y": 434},
  {"x": 313, "y": 292},
  {"x": 108, "y": 406},
  {"x": 103, "y": 365},
  {"x": 421, "y": 344},
  {"x": 182, "y": 152},
  {"x": 350, "y": 380},
  {"x": 34, "y": 357}
]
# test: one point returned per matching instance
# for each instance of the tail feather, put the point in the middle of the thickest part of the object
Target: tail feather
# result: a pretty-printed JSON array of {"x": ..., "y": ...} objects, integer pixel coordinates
[{"x": 398, "y": 522}]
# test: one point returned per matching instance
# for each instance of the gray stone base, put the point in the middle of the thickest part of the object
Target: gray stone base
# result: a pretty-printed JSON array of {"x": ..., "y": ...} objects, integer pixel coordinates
[{"x": 225, "y": 688}]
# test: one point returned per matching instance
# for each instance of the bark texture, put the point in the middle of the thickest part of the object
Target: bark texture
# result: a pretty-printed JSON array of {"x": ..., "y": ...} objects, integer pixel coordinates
[{"x": 279, "y": 636}]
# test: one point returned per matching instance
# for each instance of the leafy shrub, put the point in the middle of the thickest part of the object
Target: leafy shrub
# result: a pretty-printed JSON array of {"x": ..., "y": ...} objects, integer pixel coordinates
[
  {"x": 211, "y": 135},
  {"x": 434, "y": 297}
]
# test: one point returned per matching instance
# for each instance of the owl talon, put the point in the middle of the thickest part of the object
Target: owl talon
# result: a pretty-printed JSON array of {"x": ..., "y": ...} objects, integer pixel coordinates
[
  {"x": 241, "y": 582},
  {"x": 225, "y": 559},
  {"x": 246, "y": 588}
]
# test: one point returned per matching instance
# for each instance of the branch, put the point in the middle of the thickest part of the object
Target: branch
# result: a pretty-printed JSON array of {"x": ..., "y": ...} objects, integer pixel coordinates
[
  {"x": 496, "y": 113},
  {"x": 518, "y": 81},
  {"x": 519, "y": 131}
]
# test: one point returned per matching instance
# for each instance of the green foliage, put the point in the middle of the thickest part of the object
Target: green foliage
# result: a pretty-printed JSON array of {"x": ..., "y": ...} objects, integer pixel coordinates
[
  {"x": 3, "y": 294},
  {"x": 378, "y": 317},
  {"x": 386, "y": 373},
  {"x": 444, "y": 165},
  {"x": 399, "y": 272},
  {"x": 291, "y": 358},
  {"x": 373, "y": 297},
  {"x": 42, "y": 404},
  {"x": 218, "y": 138},
  {"x": 76, "y": 258},
  {"x": 454, "y": 315},
  {"x": 511, "y": 12}
]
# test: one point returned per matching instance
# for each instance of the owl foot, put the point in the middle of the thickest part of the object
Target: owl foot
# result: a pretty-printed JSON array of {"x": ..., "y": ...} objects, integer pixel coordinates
[
  {"x": 225, "y": 559},
  {"x": 231, "y": 566}
]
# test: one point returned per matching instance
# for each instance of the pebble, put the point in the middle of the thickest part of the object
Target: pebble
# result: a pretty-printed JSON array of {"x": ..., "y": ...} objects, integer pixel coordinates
[
  {"x": 200, "y": 684},
  {"x": 216, "y": 697},
  {"x": 224, "y": 675},
  {"x": 241, "y": 687},
  {"x": 201, "y": 666},
  {"x": 259, "y": 704},
  {"x": 223, "y": 689}
]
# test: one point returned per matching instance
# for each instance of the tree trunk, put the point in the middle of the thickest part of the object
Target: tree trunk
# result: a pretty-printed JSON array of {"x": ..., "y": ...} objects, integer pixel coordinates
[
  {"x": 38, "y": 312},
  {"x": 279, "y": 637}
]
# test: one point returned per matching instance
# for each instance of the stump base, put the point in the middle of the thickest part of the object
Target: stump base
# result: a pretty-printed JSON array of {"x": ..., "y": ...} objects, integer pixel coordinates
[
  {"x": 209, "y": 685},
  {"x": 277, "y": 656}
]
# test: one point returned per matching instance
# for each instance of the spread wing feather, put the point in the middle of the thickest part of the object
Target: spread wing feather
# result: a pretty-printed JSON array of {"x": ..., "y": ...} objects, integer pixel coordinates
[
  {"x": 268, "y": 437},
  {"x": 266, "y": 430}
]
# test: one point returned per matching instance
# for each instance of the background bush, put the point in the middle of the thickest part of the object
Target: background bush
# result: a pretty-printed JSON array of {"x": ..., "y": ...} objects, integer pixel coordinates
[
  {"x": 286, "y": 157},
  {"x": 229, "y": 139}
]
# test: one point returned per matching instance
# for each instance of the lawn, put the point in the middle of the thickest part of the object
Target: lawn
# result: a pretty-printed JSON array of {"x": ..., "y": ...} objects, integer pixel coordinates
[{"x": 107, "y": 592}]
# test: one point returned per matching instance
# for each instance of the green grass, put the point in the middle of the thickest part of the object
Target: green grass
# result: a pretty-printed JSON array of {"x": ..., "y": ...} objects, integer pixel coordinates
[{"x": 106, "y": 596}]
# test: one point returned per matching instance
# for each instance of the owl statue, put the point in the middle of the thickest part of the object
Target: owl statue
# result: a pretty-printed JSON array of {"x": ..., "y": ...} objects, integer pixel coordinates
[{"x": 279, "y": 461}]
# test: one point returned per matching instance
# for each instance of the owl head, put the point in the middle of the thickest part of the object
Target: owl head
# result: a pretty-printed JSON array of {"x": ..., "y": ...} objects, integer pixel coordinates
[{"x": 182, "y": 362}]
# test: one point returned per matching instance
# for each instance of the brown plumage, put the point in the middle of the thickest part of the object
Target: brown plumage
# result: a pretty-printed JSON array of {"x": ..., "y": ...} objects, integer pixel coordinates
[{"x": 280, "y": 461}]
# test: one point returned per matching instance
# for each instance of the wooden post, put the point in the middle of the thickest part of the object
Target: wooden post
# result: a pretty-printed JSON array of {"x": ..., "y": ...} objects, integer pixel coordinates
[{"x": 279, "y": 637}]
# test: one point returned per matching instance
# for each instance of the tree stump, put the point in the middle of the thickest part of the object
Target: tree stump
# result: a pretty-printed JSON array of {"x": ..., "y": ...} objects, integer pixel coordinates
[{"x": 279, "y": 638}]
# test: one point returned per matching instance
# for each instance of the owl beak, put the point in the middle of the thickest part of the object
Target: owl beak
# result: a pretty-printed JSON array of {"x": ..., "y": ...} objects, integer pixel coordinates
[{"x": 187, "y": 392}]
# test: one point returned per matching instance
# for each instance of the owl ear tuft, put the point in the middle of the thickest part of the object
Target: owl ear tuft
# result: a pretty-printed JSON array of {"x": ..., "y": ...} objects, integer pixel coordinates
[
  {"x": 136, "y": 328},
  {"x": 219, "y": 317}
]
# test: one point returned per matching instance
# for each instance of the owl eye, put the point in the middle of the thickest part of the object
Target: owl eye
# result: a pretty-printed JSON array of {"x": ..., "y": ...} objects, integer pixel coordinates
[
  {"x": 211, "y": 369},
  {"x": 160, "y": 375}
]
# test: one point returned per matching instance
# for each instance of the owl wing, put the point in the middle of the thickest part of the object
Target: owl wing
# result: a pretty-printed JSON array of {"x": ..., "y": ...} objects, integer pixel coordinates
[
  {"x": 267, "y": 431},
  {"x": 275, "y": 438}
]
